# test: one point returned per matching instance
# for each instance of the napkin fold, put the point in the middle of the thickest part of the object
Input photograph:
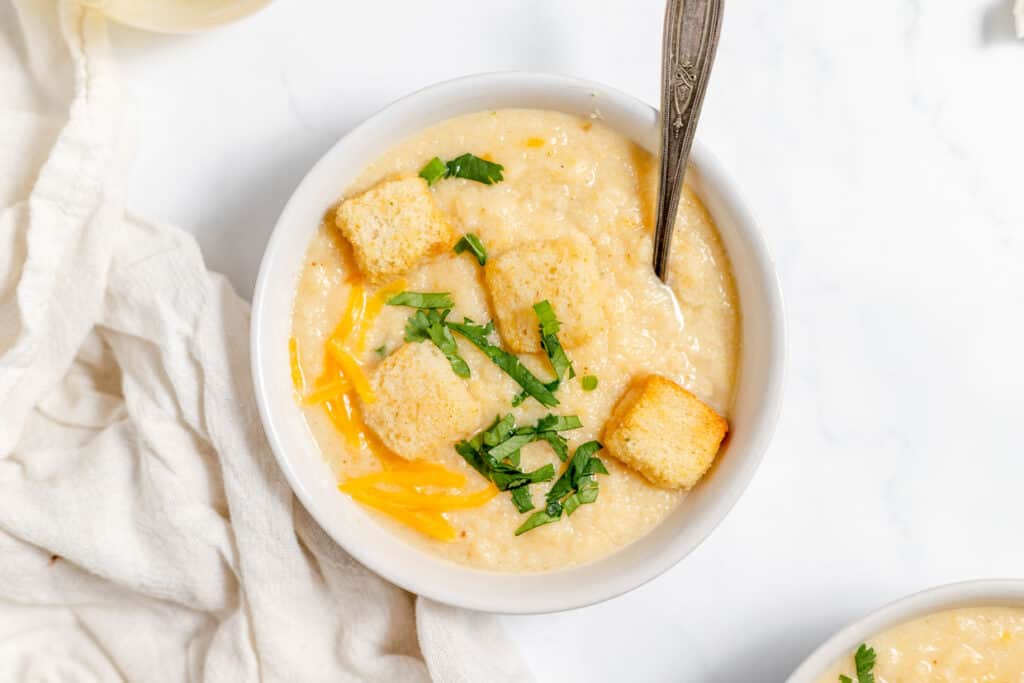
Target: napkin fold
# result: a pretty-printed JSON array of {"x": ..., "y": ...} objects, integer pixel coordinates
[{"x": 146, "y": 532}]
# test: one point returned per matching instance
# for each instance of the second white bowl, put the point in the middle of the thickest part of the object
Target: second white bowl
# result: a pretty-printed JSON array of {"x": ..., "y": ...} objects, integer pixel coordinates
[{"x": 986, "y": 593}]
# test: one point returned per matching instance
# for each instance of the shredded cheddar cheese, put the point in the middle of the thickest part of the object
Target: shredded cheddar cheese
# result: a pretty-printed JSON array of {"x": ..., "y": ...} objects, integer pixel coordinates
[
  {"x": 373, "y": 308},
  {"x": 400, "y": 494},
  {"x": 353, "y": 312},
  {"x": 405, "y": 491},
  {"x": 432, "y": 524},
  {"x": 298, "y": 380},
  {"x": 340, "y": 412},
  {"x": 441, "y": 478},
  {"x": 350, "y": 366},
  {"x": 327, "y": 391},
  {"x": 430, "y": 501}
]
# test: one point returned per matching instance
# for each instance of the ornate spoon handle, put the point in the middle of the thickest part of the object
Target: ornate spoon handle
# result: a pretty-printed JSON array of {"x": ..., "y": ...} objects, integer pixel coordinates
[{"x": 688, "y": 50}]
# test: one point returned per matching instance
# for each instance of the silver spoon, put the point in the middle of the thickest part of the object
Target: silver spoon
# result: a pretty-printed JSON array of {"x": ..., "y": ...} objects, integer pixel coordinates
[{"x": 688, "y": 50}]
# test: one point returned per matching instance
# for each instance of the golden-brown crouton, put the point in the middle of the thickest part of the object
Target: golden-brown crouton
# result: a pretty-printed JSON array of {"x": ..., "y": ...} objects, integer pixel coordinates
[
  {"x": 664, "y": 432},
  {"x": 392, "y": 226},
  {"x": 564, "y": 272},
  {"x": 421, "y": 405}
]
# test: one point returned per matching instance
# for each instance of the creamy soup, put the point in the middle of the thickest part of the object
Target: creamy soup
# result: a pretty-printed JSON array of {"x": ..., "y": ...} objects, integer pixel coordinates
[
  {"x": 564, "y": 177},
  {"x": 969, "y": 645}
]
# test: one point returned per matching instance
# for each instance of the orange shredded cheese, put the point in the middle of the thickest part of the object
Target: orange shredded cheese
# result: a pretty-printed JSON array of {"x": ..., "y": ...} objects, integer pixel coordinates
[
  {"x": 432, "y": 524},
  {"x": 353, "y": 312},
  {"x": 429, "y": 501},
  {"x": 373, "y": 308},
  {"x": 327, "y": 391},
  {"x": 416, "y": 478},
  {"x": 399, "y": 490},
  {"x": 340, "y": 411},
  {"x": 298, "y": 379},
  {"x": 351, "y": 368}
]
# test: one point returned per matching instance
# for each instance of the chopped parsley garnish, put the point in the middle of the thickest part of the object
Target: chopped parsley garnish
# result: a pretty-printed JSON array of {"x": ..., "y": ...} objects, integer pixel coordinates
[
  {"x": 513, "y": 367},
  {"x": 474, "y": 168},
  {"x": 521, "y": 499},
  {"x": 468, "y": 166},
  {"x": 577, "y": 486},
  {"x": 589, "y": 382},
  {"x": 864, "y": 662},
  {"x": 381, "y": 350},
  {"x": 472, "y": 243},
  {"x": 551, "y": 513},
  {"x": 434, "y": 170},
  {"x": 422, "y": 300},
  {"x": 430, "y": 324},
  {"x": 549, "y": 327},
  {"x": 495, "y": 453}
]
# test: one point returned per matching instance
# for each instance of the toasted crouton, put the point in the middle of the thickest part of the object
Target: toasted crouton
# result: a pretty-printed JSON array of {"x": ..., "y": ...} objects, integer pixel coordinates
[
  {"x": 392, "y": 226},
  {"x": 564, "y": 272},
  {"x": 664, "y": 432},
  {"x": 420, "y": 404}
]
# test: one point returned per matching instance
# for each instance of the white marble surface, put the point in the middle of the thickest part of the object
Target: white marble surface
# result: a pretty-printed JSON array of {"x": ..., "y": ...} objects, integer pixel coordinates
[{"x": 880, "y": 143}]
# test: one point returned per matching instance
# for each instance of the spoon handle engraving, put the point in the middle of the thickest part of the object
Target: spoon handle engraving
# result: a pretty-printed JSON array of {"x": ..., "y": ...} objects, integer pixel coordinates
[{"x": 688, "y": 51}]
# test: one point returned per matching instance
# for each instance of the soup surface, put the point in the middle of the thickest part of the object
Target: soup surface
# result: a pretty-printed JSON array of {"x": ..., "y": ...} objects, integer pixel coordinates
[
  {"x": 968, "y": 645},
  {"x": 564, "y": 176}
]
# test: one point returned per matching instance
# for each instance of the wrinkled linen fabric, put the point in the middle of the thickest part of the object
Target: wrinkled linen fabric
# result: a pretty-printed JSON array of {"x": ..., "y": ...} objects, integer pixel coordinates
[{"x": 146, "y": 533}]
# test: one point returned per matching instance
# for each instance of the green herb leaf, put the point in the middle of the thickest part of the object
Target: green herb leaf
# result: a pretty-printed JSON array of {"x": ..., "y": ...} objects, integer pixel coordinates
[
  {"x": 422, "y": 300},
  {"x": 443, "y": 339},
  {"x": 381, "y": 350},
  {"x": 499, "y": 431},
  {"x": 549, "y": 327},
  {"x": 429, "y": 324},
  {"x": 551, "y": 386},
  {"x": 473, "y": 167},
  {"x": 472, "y": 242},
  {"x": 864, "y": 660},
  {"x": 417, "y": 327},
  {"x": 434, "y": 170},
  {"x": 507, "y": 477},
  {"x": 521, "y": 498},
  {"x": 558, "y": 444},
  {"x": 551, "y": 513},
  {"x": 843, "y": 678},
  {"x": 472, "y": 455},
  {"x": 594, "y": 466},
  {"x": 508, "y": 362},
  {"x": 558, "y": 423},
  {"x": 511, "y": 445},
  {"x": 589, "y": 383},
  {"x": 577, "y": 485}
]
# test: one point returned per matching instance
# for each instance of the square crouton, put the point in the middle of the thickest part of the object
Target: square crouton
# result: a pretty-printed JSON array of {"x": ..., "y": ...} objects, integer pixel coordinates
[
  {"x": 392, "y": 226},
  {"x": 421, "y": 406},
  {"x": 664, "y": 432},
  {"x": 564, "y": 272}
]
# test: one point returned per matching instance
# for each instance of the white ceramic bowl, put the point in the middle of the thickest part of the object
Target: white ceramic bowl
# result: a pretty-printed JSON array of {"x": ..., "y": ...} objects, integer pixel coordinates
[
  {"x": 753, "y": 417},
  {"x": 987, "y": 593}
]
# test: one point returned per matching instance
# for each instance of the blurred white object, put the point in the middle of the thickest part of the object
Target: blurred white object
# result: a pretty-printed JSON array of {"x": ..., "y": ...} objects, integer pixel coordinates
[
  {"x": 1018, "y": 17},
  {"x": 146, "y": 533},
  {"x": 176, "y": 16}
]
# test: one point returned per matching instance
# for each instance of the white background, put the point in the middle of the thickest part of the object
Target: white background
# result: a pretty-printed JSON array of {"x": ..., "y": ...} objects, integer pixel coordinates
[{"x": 881, "y": 145}]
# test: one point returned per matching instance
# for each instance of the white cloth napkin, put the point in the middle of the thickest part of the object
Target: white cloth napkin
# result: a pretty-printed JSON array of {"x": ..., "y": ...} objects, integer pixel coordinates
[{"x": 145, "y": 531}]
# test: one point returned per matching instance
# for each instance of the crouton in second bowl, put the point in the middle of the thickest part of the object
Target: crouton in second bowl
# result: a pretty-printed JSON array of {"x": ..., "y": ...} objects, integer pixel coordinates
[{"x": 478, "y": 351}]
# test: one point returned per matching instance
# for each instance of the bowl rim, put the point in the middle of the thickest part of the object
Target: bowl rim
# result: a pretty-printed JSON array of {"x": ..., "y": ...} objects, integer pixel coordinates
[
  {"x": 973, "y": 593},
  {"x": 767, "y": 417}
]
